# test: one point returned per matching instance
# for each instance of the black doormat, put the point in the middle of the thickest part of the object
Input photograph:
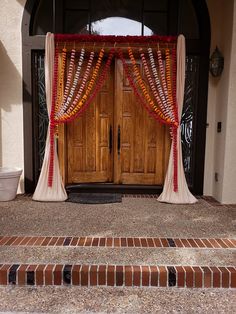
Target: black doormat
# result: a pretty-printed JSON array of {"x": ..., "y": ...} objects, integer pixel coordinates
[{"x": 94, "y": 198}]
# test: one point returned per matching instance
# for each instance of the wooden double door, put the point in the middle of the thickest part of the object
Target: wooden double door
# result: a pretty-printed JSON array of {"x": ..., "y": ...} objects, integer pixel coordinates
[{"x": 115, "y": 141}]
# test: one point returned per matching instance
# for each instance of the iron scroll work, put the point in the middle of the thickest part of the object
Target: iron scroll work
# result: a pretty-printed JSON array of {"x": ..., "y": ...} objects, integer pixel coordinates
[{"x": 188, "y": 136}]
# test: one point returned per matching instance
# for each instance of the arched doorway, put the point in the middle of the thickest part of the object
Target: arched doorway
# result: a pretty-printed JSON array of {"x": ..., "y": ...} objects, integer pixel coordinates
[{"x": 160, "y": 17}]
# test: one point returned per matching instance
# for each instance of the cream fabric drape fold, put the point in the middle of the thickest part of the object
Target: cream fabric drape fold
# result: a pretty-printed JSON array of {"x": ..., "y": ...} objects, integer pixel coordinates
[
  {"x": 183, "y": 195},
  {"x": 43, "y": 192}
]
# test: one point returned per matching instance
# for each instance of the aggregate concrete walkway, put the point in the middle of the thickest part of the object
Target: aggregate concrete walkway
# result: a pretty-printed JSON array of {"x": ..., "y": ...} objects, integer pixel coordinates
[
  {"x": 141, "y": 217},
  {"x": 134, "y": 217}
]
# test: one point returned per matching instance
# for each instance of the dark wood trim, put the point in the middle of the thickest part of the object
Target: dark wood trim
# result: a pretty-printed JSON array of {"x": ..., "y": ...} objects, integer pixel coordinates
[
  {"x": 173, "y": 9},
  {"x": 201, "y": 114},
  {"x": 114, "y": 188},
  {"x": 58, "y": 9}
]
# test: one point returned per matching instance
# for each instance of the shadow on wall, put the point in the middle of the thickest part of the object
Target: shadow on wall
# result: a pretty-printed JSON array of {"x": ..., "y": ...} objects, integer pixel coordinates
[{"x": 10, "y": 97}]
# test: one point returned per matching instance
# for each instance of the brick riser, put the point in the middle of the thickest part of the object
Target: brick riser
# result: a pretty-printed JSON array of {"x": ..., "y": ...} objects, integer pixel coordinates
[
  {"x": 209, "y": 243},
  {"x": 118, "y": 275}
]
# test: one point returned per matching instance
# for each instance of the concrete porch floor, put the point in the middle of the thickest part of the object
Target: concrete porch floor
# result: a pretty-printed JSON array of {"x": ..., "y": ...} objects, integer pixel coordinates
[{"x": 134, "y": 217}]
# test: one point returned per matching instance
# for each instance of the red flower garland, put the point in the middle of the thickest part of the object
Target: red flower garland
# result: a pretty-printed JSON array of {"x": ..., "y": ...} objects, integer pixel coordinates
[
  {"x": 52, "y": 119},
  {"x": 175, "y": 129}
]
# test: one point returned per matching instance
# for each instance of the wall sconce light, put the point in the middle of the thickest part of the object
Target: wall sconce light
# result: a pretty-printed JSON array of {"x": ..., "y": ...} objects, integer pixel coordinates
[{"x": 216, "y": 63}]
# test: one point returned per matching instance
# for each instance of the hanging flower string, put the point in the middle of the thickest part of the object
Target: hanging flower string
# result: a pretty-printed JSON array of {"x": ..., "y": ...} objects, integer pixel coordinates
[
  {"x": 163, "y": 82},
  {"x": 169, "y": 81},
  {"x": 68, "y": 116},
  {"x": 61, "y": 80},
  {"x": 52, "y": 119},
  {"x": 69, "y": 76},
  {"x": 137, "y": 93},
  {"x": 66, "y": 103},
  {"x": 156, "y": 78},
  {"x": 98, "y": 86},
  {"x": 174, "y": 71},
  {"x": 144, "y": 89},
  {"x": 174, "y": 129},
  {"x": 82, "y": 86},
  {"x": 153, "y": 87}
]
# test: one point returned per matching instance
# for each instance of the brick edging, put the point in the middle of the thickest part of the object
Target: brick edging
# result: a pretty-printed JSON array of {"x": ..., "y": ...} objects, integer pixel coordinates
[
  {"x": 118, "y": 275},
  {"x": 111, "y": 242}
]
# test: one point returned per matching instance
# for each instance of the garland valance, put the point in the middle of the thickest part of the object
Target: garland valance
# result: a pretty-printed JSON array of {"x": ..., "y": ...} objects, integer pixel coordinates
[
  {"x": 76, "y": 38},
  {"x": 79, "y": 73}
]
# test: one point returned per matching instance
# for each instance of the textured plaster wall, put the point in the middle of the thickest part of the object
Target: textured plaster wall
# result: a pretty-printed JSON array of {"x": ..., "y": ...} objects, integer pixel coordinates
[
  {"x": 219, "y": 152},
  {"x": 229, "y": 177},
  {"x": 11, "y": 107}
]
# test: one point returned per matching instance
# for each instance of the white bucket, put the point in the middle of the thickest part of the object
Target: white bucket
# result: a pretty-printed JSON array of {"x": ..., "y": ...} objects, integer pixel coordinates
[{"x": 9, "y": 180}]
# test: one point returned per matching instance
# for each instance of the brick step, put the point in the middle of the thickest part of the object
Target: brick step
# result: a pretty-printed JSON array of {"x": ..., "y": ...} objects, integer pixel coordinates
[
  {"x": 118, "y": 275},
  {"x": 151, "y": 242}
]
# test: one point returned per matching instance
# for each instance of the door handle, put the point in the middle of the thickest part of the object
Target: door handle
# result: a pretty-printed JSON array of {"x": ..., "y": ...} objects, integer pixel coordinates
[
  {"x": 110, "y": 139},
  {"x": 118, "y": 140}
]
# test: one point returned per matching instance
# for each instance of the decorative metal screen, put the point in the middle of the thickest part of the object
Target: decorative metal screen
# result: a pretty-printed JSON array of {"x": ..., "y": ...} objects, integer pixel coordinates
[
  {"x": 188, "y": 116},
  {"x": 40, "y": 108}
]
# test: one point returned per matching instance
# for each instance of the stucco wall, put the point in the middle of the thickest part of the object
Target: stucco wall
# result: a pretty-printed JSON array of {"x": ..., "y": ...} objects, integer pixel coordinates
[
  {"x": 219, "y": 148},
  {"x": 229, "y": 177},
  {"x": 11, "y": 108}
]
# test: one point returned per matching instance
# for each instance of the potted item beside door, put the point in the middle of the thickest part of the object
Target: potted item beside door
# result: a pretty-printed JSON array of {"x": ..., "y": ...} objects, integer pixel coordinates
[{"x": 9, "y": 180}]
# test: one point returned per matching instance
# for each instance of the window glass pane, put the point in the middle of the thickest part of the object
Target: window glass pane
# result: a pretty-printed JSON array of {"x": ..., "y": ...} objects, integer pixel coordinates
[
  {"x": 116, "y": 8},
  {"x": 159, "y": 5},
  {"x": 157, "y": 22},
  {"x": 117, "y": 26},
  {"x": 76, "y": 22}
]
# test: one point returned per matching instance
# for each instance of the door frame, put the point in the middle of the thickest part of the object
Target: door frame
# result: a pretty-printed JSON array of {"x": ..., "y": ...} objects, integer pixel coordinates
[{"x": 32, "y": 44}]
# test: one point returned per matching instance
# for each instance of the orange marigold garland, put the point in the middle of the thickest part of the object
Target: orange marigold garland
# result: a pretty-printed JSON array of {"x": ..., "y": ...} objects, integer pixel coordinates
[
  {"x": 65, "y": 104},
  {"x": 70, "y": 74},
  {"x": 99, "y": 84},
  {"x": 90, "y": 86},
  {"x": 61, "y": 80},
  {"x": 144, "y": 89},
  {"x": 137, "y": 93},
  {"x": 156, "y": 78},
  {"x": 164, "y": 85},
  {"x": 82, "y": 85},
  {"x": 153, "y": 87}
]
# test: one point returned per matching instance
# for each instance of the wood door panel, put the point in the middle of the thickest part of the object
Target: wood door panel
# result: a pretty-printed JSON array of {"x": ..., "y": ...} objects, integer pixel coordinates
[
  {"x": 144, "y": 144},
  {"x": 89, "y": 158}
]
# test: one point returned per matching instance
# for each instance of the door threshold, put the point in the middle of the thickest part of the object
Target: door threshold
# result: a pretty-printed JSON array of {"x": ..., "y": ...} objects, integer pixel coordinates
[{"x": 113, "y": 188}]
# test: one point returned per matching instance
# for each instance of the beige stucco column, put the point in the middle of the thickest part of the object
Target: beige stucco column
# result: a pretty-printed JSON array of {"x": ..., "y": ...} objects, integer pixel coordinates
[
  {"x": 220, "y": 161},
  {"x": 11, "y": 105}
]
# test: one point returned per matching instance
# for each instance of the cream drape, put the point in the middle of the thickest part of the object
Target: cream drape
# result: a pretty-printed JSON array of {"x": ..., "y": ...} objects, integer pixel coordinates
[
  {"x": 183, "y": 195},
  {"x": 43, "y": 192}
]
